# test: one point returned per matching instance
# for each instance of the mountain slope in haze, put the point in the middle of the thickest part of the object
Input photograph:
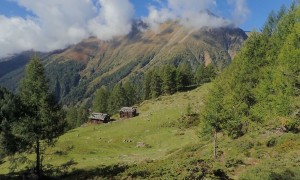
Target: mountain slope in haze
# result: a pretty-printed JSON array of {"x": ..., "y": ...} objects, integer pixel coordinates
[
  {"x": 81, "y": 69},
  {"x": 12, "y": 67}
]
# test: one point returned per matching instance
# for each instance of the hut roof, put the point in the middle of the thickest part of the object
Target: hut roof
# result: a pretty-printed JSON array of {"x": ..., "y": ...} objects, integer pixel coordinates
[
  {"x": 98, "y": 116},
  {"x": 128, "y": 109}
]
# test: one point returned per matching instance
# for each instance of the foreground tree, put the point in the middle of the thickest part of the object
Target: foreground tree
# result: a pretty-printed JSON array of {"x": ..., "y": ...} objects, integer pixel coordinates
[
  {"x": 10, "y": 112},
  {"x": 43, "y": 120},
  {"x": 262, "y": 84}
]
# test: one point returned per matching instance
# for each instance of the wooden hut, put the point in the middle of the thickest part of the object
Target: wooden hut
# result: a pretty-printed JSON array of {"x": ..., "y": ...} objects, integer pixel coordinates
[
  {"x": 128, "y": 112},
  {"x": 99, "y": 118}
]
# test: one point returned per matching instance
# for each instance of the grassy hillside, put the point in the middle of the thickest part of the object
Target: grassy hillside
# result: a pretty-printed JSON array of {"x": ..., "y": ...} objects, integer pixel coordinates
[
  {"x": 93, "y": 145},
  {"x": 171, "y": 147}
]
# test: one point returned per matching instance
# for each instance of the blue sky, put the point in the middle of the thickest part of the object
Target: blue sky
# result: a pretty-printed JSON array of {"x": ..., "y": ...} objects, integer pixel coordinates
[
  {"x": 259, "y": 10},
  {"x": 46, "y": 25}
]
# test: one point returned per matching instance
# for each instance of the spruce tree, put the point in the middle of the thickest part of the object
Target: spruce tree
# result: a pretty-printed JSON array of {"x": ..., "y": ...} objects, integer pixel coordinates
[
  {"x": 117, "y": 99},
  {"x": 205, "y": 74},
  {"x": 184, "y": 77},
  {"x": 156, "y": 85},
  {"x": 168, "y": 79},
  {"x": 147, "y": 85},
  {"x": 130, "y": 94},
  {"x": 43, "y": 120},
  {"x": 100, "y": 103},
  {"x": 71, "y": 117},
  {"x": 82, "y": 116}
]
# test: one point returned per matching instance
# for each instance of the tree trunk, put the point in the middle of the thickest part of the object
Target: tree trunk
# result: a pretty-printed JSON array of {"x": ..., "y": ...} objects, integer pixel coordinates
[
  {"x": 38, "y": 160},
  {"x": 215, "y": 144}
]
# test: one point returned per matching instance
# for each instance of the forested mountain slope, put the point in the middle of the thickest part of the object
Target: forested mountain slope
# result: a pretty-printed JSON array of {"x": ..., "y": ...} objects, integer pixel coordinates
[{"x": 78, "y": 71}]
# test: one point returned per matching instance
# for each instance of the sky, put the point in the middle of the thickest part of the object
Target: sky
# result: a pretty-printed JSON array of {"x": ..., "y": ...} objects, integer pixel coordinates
[{"x": 46, "y": 25}]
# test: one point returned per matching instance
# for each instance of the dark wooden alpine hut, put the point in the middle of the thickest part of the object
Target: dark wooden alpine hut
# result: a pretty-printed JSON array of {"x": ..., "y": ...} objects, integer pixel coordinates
[
  {"x": 128, "y": 112},
  {"x": 99, "y": 118}
]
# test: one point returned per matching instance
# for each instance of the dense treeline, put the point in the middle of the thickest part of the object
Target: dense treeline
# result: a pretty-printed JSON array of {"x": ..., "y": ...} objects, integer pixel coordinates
[
  {"x": 76, "y": 116},
  {"x": 262, "y": 85},
  {"x": 165, "y": 80},
  {"x": 110, "y": 102}
]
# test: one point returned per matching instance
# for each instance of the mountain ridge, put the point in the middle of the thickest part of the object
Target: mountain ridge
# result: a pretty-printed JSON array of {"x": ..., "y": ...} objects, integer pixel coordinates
[{"x": 93, "y": 63}]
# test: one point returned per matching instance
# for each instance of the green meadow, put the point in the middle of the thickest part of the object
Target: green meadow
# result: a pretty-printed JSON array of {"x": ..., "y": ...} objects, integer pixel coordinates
[
  {"x": 162, "y": 143},
  {"x": 154, "y": 134}
]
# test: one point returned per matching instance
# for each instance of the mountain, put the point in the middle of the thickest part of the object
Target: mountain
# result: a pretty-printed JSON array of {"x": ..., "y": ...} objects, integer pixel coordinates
[{"x": 76, "y": 72}]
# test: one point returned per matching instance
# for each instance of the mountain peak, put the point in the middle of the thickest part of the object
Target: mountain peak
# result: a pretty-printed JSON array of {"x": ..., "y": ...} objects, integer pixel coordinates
[{"x": 93, "y": 63}]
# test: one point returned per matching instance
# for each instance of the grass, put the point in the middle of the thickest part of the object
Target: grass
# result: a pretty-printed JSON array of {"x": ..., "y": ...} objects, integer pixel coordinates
[
  {"x": 108, "y": 144},
  {"x": 170, "y": 150}
]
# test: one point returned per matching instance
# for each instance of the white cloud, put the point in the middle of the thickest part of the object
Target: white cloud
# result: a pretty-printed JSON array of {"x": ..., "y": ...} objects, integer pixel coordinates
[
  {"x": 58, "y": 23},
  {"x": 194, "y": 13},
  {"x": 16, "y": 34},
  {"x": 115, "y": 19},
  {"x": 241, "y": 11}
]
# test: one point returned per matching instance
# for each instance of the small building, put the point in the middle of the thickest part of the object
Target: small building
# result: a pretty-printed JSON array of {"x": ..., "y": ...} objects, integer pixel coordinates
[
  {"x": 99, "y": 118},
  {"x": 128, "y": 112}
]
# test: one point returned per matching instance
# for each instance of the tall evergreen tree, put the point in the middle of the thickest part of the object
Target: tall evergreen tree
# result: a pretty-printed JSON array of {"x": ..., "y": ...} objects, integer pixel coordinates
[
  {"x": 205, "y": 74},
  {"x": 44, "y": 119},
  {"x": 76, "y": 116},
  {"x": 117, "y": 99},
  {"x": 100, "y": 103},
  {"x": 156, "y": 85},
  {"x": 71, "y": 117},
  {"x": 130, "y": 94},
  {"x": 184, "y": 76},
  {"x": 147, "y": 85},
  {"x": 168, "y": 76},
  {"x": 82, "y": 116}
]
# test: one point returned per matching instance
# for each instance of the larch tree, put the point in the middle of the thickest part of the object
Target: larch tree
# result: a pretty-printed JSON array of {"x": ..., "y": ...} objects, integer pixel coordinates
[
  {"x": 117, "y": 99},
  {"x": 168, "y": 77},
  {"x": 100, "y": 103},
  {"x": 43, "y": 120}
]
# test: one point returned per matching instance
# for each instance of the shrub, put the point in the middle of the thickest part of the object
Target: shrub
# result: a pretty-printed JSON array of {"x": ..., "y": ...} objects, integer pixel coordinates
[
  {"x": 271, "y": 142},
  {"x": 187, "y": 121},
  {"x": 292, "y": 125},
  {"x": 232, "y": 163}
]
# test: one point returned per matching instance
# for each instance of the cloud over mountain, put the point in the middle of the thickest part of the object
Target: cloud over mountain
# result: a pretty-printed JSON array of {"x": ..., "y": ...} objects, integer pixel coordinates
[
  {"x": 194, "y": 13},
  {"x": 55, "y": 24},
  {"x": 58, "y": 23},
  {"x": 190, "y": 13}
]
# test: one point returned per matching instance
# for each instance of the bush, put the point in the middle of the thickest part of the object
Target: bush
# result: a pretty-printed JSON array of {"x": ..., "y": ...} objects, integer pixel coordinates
[
  {"x": 187, "y": 121},
  {"x": 232, "y": 163},
  {"x": 292, "y": 125},
  {"x": 271, "y": 142}
]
